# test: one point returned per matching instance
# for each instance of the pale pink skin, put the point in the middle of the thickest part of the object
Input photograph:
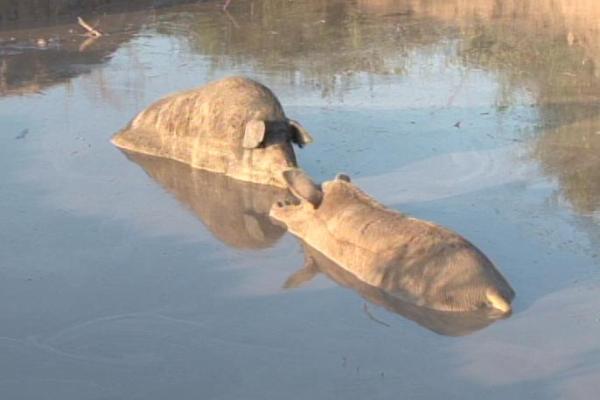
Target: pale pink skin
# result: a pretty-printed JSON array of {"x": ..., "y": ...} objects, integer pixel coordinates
[
  {"x": 233, "y": 126},
  {"x": 417, "y": 260}
]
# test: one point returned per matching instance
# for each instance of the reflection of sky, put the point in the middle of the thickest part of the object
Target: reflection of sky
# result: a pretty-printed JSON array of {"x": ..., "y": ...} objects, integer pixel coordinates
[
  {"x": 561, "y": 356},
  {"x": 450, "y": 174}
]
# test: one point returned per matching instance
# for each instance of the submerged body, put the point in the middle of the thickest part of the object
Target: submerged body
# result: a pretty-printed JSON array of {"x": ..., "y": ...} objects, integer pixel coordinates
[
  {"x": 441, "y": 322},
  {"x": 234, "y": 126},
  {"x": 416, "y": 260}
]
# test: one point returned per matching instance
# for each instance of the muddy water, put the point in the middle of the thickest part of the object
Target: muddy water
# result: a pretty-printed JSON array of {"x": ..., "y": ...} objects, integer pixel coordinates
[{"x": 125, "y": 278}]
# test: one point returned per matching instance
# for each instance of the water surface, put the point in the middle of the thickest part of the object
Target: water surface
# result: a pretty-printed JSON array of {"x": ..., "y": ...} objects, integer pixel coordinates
[{"x": 119, "y": 280}]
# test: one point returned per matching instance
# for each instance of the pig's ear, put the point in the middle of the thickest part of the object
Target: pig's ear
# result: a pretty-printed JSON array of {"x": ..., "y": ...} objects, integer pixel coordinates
[
  {"x": 301, "y": 186},
  {"x": 342, "y": 177},
  {"x": 254, "y": 134},
  {"x": 300, "y": 136}
]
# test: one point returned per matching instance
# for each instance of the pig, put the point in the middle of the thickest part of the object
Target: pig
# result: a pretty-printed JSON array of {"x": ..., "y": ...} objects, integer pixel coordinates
[
  {"x": 415, "y": 260},
  {"x": 445, "y": 323},
  {"x": 234, "y": 212},
  {"x": 234, "y": 126}
]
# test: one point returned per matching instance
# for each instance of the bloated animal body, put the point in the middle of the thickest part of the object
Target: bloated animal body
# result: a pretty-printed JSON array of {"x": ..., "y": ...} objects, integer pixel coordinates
[
  {"x": 448, "y": 323},
  {"x": 416, "y": 260},
  {"x": 234, "y": 126}
]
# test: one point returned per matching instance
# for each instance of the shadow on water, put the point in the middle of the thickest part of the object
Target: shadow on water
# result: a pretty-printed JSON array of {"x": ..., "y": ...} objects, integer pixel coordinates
[{"x": 441, "y": 322}]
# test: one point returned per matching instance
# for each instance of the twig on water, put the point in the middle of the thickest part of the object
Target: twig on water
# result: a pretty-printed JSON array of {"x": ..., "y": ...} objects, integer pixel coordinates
[
  {"x": 226, "y": 5},
  {"x": 87, "y": 43},
  {"x": 22, "y": 135},
  {"x": 366, "y": 309},
  {"x": 91, "y": 31},
  {"x": 232, "y": 19}
]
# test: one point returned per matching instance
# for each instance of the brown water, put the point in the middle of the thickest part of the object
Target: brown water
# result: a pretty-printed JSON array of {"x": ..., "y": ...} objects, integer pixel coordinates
[{"x": 122, "y": 278}]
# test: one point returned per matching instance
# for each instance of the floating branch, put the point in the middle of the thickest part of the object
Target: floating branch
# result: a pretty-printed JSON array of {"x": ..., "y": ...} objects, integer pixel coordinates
[
  {"x": 371, "y": 317},
  {"x": 87, "y": 43},
  {"x": 92, "y": 31}
]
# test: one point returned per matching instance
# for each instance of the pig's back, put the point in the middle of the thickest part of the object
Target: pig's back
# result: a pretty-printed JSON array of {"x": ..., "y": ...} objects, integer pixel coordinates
[{"x": 203, "y": 127}]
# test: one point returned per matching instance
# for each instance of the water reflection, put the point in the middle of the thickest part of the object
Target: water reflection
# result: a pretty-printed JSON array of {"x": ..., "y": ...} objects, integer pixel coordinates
[
  {"x": 443, "y": 323},
  {"x": 69, "y": 229},
  {"x": 571, "y": 153},
  {"x": 12, "y": 11},
  {"x": 25, "y": 69},
  {"x": 328, "y": 42},
  {"x": 548, "y": 47},
  {"x": 37, "y": 50},
  {"x": 235, "y": 212},
  {"x": 26, "y": 10}
]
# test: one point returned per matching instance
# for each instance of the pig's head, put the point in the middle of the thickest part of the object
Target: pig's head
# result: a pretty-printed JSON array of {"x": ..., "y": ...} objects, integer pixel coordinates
[
  {"x": 268, "y": 150},
  {"x": 299, "y": 213},
  {"x": 443, "y": 272}
]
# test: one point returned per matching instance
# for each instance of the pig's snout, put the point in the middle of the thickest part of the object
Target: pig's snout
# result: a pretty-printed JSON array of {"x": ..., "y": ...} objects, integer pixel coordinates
[{"x": 281, "y": 156}]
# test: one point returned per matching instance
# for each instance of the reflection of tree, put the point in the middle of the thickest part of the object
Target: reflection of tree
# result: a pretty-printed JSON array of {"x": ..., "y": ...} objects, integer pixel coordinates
[
  {"x": 571, "y": 153},
  {"x": 47, "y": 10},
  {"x": 26, "y": 67},
  {"x": 553, "y": 51},
  {"x": 23, "y": 10},
  {"x": 328, "y": 42},
  {"x": 30, "y": 71},
  {"x": 540, "y": 58}
]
